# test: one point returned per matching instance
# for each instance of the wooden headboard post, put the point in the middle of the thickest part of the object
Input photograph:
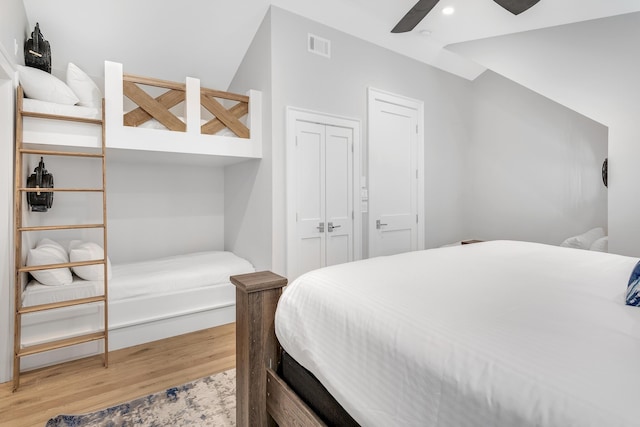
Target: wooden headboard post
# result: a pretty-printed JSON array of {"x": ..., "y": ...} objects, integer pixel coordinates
[{"x": 257, "y": 347}]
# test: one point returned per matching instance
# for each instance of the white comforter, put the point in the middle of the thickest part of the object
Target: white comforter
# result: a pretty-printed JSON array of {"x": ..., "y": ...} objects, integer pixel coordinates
[
  {"x": 493, "y": 334},
  {"x": 155, "y": 277}
]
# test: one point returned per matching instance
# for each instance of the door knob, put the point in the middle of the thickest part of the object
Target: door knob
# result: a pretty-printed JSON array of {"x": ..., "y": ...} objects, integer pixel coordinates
[
  {"x": 330, "y": 226},
  {"x": 320, "y": 227},
  {"x": 378, "y": 224}
]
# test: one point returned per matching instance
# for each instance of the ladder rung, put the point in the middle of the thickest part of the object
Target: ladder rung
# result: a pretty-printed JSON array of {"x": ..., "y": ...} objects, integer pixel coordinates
[
  {"x": 61, "y": 265},
  {"x": 62, "y": 118},
  {"x": 60, "y": 227},
  {"x": 60, "y": 153},
  {"x": 39, "y": 348},
  {"x": 54, "y": 190},
  {"x": 61, "y": 304}
]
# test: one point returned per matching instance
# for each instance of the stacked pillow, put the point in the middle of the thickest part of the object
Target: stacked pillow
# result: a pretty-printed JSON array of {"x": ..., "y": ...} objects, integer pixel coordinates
[
  {"x": 594, "y": 239},
  {"x": 87, "y": 251},
  {"x": 48, "y": 251},
  {"x": 79, "y": 88}
]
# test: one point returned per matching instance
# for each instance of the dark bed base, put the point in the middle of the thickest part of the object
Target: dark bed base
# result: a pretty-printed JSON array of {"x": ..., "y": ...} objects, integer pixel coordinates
[
  {"x": 263, "y": 397},
  {"x": 313, "y": 393}
]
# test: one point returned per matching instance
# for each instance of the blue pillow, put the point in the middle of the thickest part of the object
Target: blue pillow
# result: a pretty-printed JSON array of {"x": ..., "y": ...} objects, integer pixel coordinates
[{"x": 633, "y": 289}]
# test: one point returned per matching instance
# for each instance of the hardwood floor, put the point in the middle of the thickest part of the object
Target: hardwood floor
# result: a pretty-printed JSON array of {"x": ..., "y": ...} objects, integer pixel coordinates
[{"x": 85, "y": 385}]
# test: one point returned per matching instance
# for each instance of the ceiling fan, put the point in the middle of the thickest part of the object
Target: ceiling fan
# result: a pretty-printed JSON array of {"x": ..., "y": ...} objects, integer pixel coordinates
[{"x": 423, "y": 7}]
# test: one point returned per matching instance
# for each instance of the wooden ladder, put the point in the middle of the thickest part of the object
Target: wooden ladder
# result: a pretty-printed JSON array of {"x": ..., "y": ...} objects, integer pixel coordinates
[{"x": 22, "y": 270}]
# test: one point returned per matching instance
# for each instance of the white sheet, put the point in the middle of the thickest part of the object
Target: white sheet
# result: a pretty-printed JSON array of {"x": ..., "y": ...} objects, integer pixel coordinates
[
  {"x": 153, "y": 277},
  {"x": 38, "y": 106},
  {"x": 491, "y": 334}
]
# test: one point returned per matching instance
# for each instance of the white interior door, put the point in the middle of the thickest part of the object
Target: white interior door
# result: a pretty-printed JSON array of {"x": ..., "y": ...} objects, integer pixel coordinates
[
  {"x": 395, "y": 171},
  {"x": 310, "y": 196},
  {"x": 321, "y": 178},
  {"x": 339, "y": 194}
]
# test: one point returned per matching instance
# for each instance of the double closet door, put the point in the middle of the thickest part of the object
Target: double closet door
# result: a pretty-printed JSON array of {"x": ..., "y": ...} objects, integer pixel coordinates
[{"x": 323, "y": 186}]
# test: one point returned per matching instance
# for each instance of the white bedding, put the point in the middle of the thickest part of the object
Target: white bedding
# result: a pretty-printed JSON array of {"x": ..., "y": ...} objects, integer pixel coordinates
[
  {"x": 155, "y": 277},
  {"x": 45, "y": 107},
  {"x": 492, "y": 334}
]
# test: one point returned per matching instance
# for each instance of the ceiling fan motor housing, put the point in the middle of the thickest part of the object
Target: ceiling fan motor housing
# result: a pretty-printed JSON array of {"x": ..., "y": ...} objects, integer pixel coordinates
[{"x": 516, "y": 6}]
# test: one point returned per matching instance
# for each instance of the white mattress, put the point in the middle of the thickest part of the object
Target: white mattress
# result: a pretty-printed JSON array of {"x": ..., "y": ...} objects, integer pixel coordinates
[
  {"x": 155, "y": 277},
  {"x": 491, "y": 334},
  {"x": 38, "y": 106}
]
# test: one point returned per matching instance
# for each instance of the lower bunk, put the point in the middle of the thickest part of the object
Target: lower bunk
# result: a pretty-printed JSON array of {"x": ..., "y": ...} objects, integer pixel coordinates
[{"x": 148, "y": 301}]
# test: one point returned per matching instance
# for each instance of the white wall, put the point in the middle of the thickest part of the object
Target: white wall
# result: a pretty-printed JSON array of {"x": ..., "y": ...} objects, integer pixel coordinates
[
  {"x": 248, "y": 185},
  {"x": 13, "y": 25},
  {"x": 157, "y": 209},
  {"x": 339, "y": 86},
  {"x": 624, "y": 176},
  {"x": 6, "y": 225},
  {"x": 535, "y": 166}
]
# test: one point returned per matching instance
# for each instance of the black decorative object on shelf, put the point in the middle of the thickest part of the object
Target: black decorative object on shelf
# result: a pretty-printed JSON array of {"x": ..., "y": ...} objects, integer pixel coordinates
[
  {"x": 40, "y": 178},
  {"x": 605, "y": 172},
  {"x": 37, "y": 51}
]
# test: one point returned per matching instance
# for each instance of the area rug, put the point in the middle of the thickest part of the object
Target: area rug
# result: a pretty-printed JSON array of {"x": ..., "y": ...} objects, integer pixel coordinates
[{"x": 208, "y": 401}]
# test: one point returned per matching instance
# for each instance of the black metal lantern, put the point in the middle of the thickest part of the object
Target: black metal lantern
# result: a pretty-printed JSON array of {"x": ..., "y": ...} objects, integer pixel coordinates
[
  {"x": 40, "y": 178},
  {"x": 37, "y": 51}
]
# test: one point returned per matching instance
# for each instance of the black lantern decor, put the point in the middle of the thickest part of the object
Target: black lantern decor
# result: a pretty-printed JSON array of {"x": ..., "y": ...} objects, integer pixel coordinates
[{"x": 40, "y": 178}]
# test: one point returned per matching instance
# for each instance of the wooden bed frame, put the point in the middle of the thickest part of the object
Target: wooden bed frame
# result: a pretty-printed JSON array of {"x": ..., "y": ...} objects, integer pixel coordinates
[{"x": 263, "y": 398}]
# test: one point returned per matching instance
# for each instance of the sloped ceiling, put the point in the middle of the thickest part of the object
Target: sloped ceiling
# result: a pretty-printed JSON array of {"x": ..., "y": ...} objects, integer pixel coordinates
[
  {"x": 592, "y": 67},
  {"x": 563, "y": 49}
]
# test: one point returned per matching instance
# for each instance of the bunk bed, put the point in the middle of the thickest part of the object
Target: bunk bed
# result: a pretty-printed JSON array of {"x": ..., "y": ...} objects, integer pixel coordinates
[
  {"x": 148, "y": 300},
  {"x": 151, "y": 117},
  {"x": 163, "y": 116}
]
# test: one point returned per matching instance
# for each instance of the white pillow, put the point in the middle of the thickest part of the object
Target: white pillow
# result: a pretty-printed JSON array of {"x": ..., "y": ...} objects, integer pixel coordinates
[
  {"x": 84, "y": 87},
  {"x": 45, "y": 241},
  {"x": 49, "y": 252},
  {"x": 584, "y": 240},
  {"x": 601, "y": 244},
  {"x": 38, "y": 84},
  {"x": 88, "y": 251}
]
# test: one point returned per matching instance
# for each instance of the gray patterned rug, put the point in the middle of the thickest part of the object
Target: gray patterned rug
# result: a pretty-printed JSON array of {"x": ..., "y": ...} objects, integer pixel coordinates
[{"x": 208, "y": 401}]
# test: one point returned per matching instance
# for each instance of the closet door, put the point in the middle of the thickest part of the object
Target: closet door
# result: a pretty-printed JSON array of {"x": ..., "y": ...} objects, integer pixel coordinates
[
  {"x": 323, "y": 181},
  {"x": 339, "y": 195},
  {"x": 310, "y": 195}
]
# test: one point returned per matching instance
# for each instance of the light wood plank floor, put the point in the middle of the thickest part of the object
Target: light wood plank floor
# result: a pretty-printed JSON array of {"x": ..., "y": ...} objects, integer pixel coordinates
[{"x": 85, "y": 385}]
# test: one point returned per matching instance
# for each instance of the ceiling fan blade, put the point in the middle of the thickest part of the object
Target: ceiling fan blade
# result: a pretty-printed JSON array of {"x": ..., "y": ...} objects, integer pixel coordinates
[
  {"x": 414, "y": 16},
  {"x": 516, "y": 6}
]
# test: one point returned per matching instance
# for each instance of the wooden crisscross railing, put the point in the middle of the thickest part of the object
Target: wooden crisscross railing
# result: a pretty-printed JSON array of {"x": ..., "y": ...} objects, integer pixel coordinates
[{"x": 159, "y": 107}]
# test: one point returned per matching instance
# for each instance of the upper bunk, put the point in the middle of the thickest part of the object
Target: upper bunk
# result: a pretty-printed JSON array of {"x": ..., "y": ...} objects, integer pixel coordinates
[{"x": 147, "y": 118}]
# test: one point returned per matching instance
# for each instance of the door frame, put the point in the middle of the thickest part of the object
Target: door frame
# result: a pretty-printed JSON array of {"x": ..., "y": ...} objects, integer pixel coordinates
[
  {"x": 293, "y": 115},
  {"x": 374, "y": 94}
]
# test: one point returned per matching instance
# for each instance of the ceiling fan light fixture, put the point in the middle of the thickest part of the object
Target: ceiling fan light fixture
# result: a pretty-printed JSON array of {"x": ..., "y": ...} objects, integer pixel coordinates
[
  {"x": 423, "y": 7},
  {"x": 449, "y": 10}
]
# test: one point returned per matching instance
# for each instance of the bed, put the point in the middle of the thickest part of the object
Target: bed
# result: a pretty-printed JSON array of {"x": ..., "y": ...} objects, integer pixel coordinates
[
  {"x": 145, "y": 114},
  {"x": 498, "y": 333},
  {"x": 145, "y": 119},
  {"x": 148, "y": 300}
]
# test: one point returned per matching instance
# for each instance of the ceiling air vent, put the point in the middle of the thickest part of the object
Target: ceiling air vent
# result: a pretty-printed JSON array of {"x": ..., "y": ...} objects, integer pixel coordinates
[{"x": 319, "y": 46}]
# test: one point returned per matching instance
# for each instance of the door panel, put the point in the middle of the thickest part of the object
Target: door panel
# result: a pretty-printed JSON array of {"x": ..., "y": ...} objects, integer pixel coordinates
[
  {"x": 393, "y": 172},
  {"x": 310, "y": 195},
  {"x": 339, "y": 196}
]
